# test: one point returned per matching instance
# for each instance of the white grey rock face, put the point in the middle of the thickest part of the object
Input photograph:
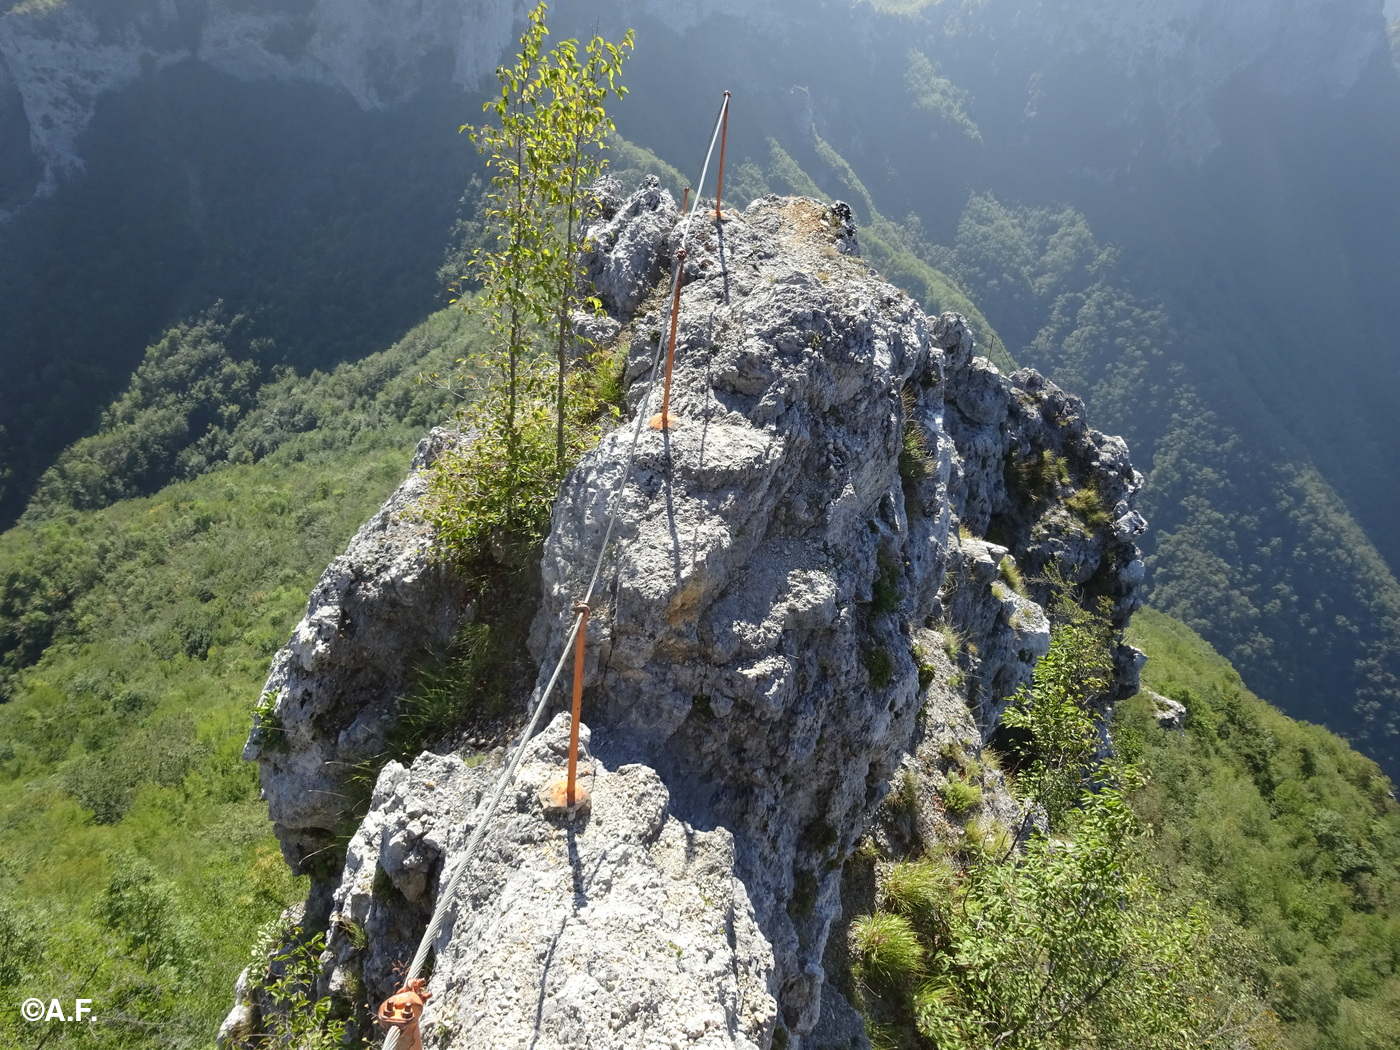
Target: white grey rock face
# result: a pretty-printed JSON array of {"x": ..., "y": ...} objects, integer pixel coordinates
[
  {"x": 740, "y": 649},
  {"x": 627, "y": 928},
  {"x": 1031, "y": 476},
  {"x": 845, "y": 477},
  {"x": 1170, "y": 714},
  {"x": 337, "y": 681},
  {"x": 622, "y": 259},
  {"x": 770, "y": 564},
  {"x": 64, "y": 57}
]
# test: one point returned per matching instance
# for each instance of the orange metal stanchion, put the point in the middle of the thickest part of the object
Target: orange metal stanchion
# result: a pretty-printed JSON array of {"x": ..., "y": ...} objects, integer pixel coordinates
[
  {"x": 723, "y": 134},
  {"x": 570, "y": 794},
  {"x": 663, "y": 420},
  {"x": 566, "y": 796}
]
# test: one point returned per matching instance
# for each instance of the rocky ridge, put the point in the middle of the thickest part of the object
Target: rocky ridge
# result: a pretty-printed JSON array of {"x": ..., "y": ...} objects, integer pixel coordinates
[{"x": 767, "y": 654}]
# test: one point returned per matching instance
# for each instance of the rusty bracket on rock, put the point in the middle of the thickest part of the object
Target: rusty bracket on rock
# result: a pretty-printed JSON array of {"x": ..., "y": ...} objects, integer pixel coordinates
[{"x": 401, "y": 1012}]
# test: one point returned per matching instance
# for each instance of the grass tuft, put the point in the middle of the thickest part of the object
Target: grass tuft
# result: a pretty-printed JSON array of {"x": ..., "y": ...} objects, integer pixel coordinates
[
  {"x": 1012, "y": 575},
  {"x": 960, "y": 797},
  {"x": 887, "y": 950},
  {"x": 919, "y": 890}
]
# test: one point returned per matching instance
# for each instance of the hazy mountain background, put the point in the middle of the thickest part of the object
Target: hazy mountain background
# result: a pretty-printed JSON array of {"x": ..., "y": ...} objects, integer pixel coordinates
[{"x": 1186, "y": 214}]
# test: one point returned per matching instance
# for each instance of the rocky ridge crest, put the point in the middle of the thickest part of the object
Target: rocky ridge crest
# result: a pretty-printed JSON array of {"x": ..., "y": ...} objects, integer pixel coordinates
[{"x": 766, "y": 653}]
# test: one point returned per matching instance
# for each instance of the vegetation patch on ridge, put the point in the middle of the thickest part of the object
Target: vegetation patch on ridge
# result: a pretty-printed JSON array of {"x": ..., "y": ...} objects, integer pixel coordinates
[{"x": 1073, "y": 940}]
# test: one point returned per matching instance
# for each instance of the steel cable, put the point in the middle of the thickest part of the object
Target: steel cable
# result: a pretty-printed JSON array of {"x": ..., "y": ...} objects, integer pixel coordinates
[{"x": 449, "y": 889}]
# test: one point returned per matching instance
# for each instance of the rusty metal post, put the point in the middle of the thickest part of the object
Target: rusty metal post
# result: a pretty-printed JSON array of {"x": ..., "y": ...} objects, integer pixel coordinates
[
  {"x": 685, "y": 201},
  {"x": 723, "y": 134},
  {"x": 570, "y": 795},
  {"x": 565, "y": 796},
  {"x": 663, "y": 420}
]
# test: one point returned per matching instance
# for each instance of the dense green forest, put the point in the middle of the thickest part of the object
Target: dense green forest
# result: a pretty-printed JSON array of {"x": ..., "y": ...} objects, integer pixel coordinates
[{"x": 138, "y": 864}]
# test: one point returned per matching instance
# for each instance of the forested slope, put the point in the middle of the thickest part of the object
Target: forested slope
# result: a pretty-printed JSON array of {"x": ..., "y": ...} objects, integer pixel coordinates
[
  {"x": 321, "y": 225},
  {"x": 138, "y": 865},
  {"x": 1286, "y": 830}
]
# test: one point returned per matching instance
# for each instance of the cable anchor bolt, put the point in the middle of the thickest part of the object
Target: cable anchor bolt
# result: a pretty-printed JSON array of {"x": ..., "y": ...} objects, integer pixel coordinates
[{"x": 402, "y": 1011}]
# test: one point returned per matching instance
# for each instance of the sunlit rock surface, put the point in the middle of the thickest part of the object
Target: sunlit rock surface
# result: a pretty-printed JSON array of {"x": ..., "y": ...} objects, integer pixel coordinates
[{"x": 846, "y": 486}]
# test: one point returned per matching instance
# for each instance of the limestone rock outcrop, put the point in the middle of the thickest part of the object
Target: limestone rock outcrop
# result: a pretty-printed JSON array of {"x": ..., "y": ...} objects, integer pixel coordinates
[
  {"x": 332, "y": 692},
  {"x": 627, "y": 928},
  {"x": 777, "y": 551},
  {"x": 846, "y": 489}
]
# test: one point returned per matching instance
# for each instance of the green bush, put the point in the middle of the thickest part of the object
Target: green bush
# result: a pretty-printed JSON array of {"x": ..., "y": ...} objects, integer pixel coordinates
[
  {"x": 884, "y": 591},
  {"x": 492, "y": 494},
  {"x": 1069, "y": 945},
  {"x": 19, "y": 944},
  {"x": 879, "y": 665},
  {"x": 160, "y": 753},
  {"x": 927, "y": 671},
  {"x": 1054, "y": 736},
  {"x": 299, "y": 1019},
  {"x": 139, "y": 908}
]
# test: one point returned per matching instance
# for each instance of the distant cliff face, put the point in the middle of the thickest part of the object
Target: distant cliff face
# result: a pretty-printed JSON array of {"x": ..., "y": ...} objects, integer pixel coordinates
[
  {"x": 1190, "y": 50},
  {"x": 63, "y": 57},
  {"x": 57, "y": 58}
]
